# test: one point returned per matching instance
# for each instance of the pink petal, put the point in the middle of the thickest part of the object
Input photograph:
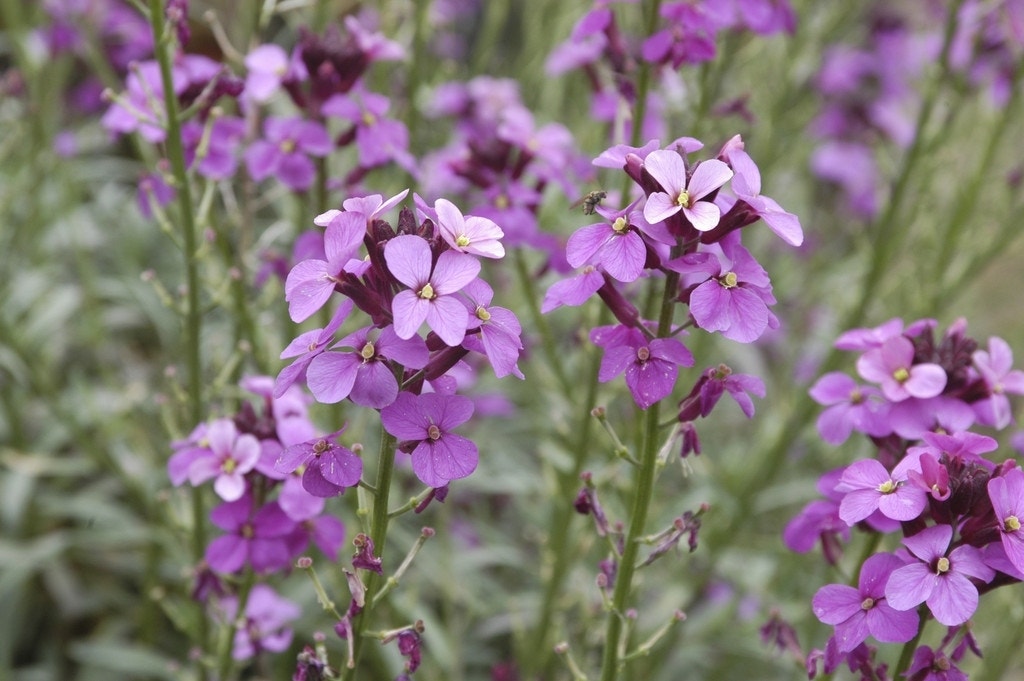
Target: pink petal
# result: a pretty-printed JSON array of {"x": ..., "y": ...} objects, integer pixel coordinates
[
  {"x": 669, "y": 170},
  {"x": 703, "y": 215},
  {"x": 707, "y": 177},
  {"x": 409, "y": 311},
  {"x": 408, "y": 258}
]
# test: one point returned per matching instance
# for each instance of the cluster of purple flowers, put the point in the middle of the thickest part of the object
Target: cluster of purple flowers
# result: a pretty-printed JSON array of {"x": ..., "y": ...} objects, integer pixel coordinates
[
  {"x": 957, "y": 511},
  {"x": 686, "y": 225},
  {"x": 268, "y": 517}
]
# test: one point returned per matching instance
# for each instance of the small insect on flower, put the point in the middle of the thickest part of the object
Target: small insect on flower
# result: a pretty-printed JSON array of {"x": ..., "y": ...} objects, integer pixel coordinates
[{"x": 590, "y": 202}]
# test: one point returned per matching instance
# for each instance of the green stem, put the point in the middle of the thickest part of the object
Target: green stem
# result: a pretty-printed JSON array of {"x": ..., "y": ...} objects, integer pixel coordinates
[
  {"x": 225, "y": 661},
  {"x": 193, "y": 319},
  {"x": 907, "y": 654},
  {"x": 540, "y": 322},
  {"x": 378, "y": 533}
]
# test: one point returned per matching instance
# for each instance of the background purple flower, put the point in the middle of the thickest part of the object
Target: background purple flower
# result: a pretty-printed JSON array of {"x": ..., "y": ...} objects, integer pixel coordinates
[
  {"x": 285, "y": 150},
  {"x": 425, "y": 423}
]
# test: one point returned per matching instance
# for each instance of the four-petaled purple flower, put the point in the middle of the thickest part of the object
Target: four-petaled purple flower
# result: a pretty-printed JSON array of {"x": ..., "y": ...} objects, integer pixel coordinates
[
  {"x": 684, "y": 193},
  {"x": 223, "y": 454},
  {"x": 939, "y": 580},
  {"x": 468, "y": 234},
  {"x": 264, "y": 540},
  {"x": 285, "y": 151},
  {"x": 424, "y": 423},
  {"x": 857, "y": 613},
  {"x": 1007, "y": 495},
  {"x": 869, "y": 487},
  {"x": 429, "y": 296},
  {"x": 996, "y": 369},
  {"x": 328, "y": 468},
  {"x": 892, "y": 366},
  {"x": 264, "y": 626},
  {"x": 311, "y": 282},
  {"x": 651, "y": 366}
]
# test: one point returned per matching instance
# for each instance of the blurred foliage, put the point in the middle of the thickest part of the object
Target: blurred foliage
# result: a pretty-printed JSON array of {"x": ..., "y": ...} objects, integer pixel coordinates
[{"x": 94, "y": 570}]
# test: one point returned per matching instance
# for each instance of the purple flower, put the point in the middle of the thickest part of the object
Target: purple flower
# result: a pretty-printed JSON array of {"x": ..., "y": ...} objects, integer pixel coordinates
[
  {"x": 617, "y": 247},
  {"x": 364, "y": 373},
  {"x": 424, "y": 422},
  {"x": 850, "y": 407},
  {"x": 285, "y": 151},
  {"x": 429, "y": 296},
  {"x": 867, "y": 339},
  {"x": 857, "y": 613},
  {"x": 307, "y": 346},
  {"x": 892, "y": 366},
  {"x": 372, "y": 206},
  {"x": 932, "y": 665},
  {"x": 311, "y": 282},
  {"x": 746, "y": 183},
  {"x": 268, "y": 65},
  {"x": 263, "y": 540},
  {"x": 223, "y": 454},
  {"x": 264, "y": 625},
  {"x": 1007, "y": 495},
  {"x": 735, "y": 293},
  {"x": 682, "y": 193},
  {"x": 869, "y": 487},
  {"x": 500, "y": 331},
  {"x": 651, "y": 366},
  {"x": 939, "y": 580},
  {"x": 574, "y": 290},
  {"x": 995, "y": 367},
  {"x": 328, "y": 468},
  {"x": 474, "y": 235}
]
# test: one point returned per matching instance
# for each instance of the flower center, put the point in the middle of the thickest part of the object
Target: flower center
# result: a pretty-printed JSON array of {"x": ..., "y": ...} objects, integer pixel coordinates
[
  {"x": 887, "y": 487},
  {"x": 482, "y": 314},
  {"x": 229, "y": 465},
  {"x": 856, "y": 396},
  {"x": 867, "y": 603},
  {"x": 287, "y": 146},
  {"x": 942, "y": 565},
  {"x": 368, "y": 119},
  {"x": 643, "y": 354},
  {"x": 320, "y": 446},
  {"x": 501, "y": 202},
  {"x": 620, "y": 225},
  {"x": 247, "y": 531},
  {"x": 433, "y": 432},
  {"x": 683, "y": 200},
  {"x": 312, "y": 346},
  {"x": 427, "y": 292},
  {"x": 1011, "y": 523},
  {"x": 462, "y": 241},
  {"x": 901, "y": 375},
  {"x": 729, "y": 280},
  {"x": 368, "y": 351}
]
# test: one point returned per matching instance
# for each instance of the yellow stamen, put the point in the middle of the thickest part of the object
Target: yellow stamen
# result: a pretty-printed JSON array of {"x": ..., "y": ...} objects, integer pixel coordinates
[
  {"x": 887, "y": 487},
  {"x": 901, "y": 375},
  {"x": 729, "y": 280},
  {"x": 427, "y": 292},
  {"x": 942, "y": 565},
  {"x": 1011, "y": 523},
  {"x": 462, "y": 241},
  {"x": 368, "y": 351},
  {"x": 620, "y": 225},
  {"x": 683, "y": 199},
  {"x": 867, "y": 603},
  {"x": 482, "y": 314},
  {"x": 433, "y": 432},
  {"x": 643, "y": 354},
  {"x": 287, "y": 146}
]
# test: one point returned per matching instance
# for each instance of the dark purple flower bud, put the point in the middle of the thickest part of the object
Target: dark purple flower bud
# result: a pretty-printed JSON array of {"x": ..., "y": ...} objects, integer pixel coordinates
[
  {"x": 409, "y": 646},
  {"x": 309, "y": 666},
  {"x": 177, "y": 16},
  {"x": 436, "y": 493}
]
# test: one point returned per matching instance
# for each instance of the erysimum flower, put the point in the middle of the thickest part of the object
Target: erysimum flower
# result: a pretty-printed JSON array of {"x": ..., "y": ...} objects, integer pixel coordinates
[
  {"x": 856, "y": 613},
  {"x": 651, "y": 366},
  {"x": 223, "y": 454},
  {"x": 892, "y": 366},
  {"x": 424, "y": 423},
  {"x": 428, "y": 297},
  {"x": 683, "y": 193},
  {"x": 1007, "y": 495},
  {"x": 266, "y": 617},
  {"x": 869, "y": 487},
  {"x": 328, "y": 468},
  {"x": 470, "y": 234},
  {"x": 939, "y": 580}
]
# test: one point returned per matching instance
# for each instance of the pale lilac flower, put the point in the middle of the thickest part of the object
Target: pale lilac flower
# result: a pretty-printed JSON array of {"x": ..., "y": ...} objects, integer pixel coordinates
[
  {"x": 573, "y": 291},
  {"x": 746, "y": 183},
  {"x": 500, "y": 331},
  {"x": 424, "y": 422},
  {"x": 311, "y": 282},
  {"x": 285, "y": 151},
  {"x": 264, "y": 626},
  {"x": 267, "y": 65},
  {"x": 849, "y": 407},
  {"x": 996, "y": 369},
  {"x": 1007, "y": 495},
  {"x": 684, "y": 193},
  {"x": 651, "y": 367},
  {"x": 857, "y": 613},
  {"x": 223, "y": 454},
  {"x": 939, "y": 580},
  {"x": 429, "y": 296},
  {"x": 371, "y": 206},
  {"x": 892, "y": 366},
  {"x": 328, "y": 467},
  {"x": 474, "y": 235},
  {"x": 364, "y": 372},
  {"x": 379, "y": 139},
  {"x": 616, "y": 245},
  {"x": 869, "y": 487}
]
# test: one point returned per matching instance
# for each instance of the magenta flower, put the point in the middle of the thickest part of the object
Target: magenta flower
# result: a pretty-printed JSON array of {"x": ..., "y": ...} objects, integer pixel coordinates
[
  {"x": 328, "y": 468},
  {"x": 474, "y": 235},
  {"x": 869, "y": 487},
  {"x": 996, "y": 369},
  {"x": 849, "y": 407},
  {"x": 429, "y": 296},
  {"x": 857, "y": 613},
  {"x": 500, "y": 331},
  {"x": 939, "y": 580},
  {"x": 285, "y": 151},
  {"x": 651, "y": 366},
  {"x": 747, "y": 186},
  {"x": 311, "y": 282},
  {"x": 364, "y": 373},
  {"x": 263, "y": 540},
  {"x": 933, "y": 665},
  {"x": 892, "y": 366},
  {"x": 682, "y": 193},
  {"x": 1007, "y": 495},
  {"x": 616, "y": 246},
  {"x": 424, "y": 423},
  {"x": 378, "y": 139},
  {"x": 223, "y": 454},
  {"x": 265, "y": 622}
]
